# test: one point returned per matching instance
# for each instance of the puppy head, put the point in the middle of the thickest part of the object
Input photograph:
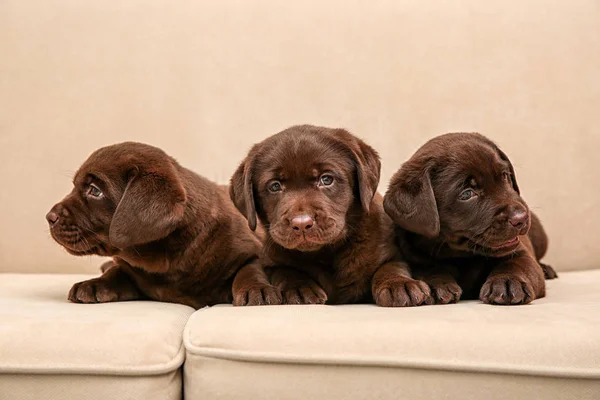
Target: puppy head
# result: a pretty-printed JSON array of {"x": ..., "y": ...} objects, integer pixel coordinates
[
  {"x": 124, "y": 195},
  {"x": 305, "y": 183},
  {"x": 462, "y": 188}
]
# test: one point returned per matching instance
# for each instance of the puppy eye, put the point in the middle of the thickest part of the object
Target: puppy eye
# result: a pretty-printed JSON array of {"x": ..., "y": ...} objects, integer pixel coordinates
[
  {"x": 275, "y": 187},
  {"x": 467, "y": 194},
  {"x": 505, "y": 176},
  {"x": 326, "y": 180},
  {"x": 93, "y": 191}
]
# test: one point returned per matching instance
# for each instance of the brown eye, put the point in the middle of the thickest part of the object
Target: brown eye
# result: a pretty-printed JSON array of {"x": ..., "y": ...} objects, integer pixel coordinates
[
  {"x": 506, "y": 176},
  {"x": 275, "y": 187},
  {"x": 466, "y": 194},
  {"x": 94, "y": 191},
  {"x": 326, "y": 180}
]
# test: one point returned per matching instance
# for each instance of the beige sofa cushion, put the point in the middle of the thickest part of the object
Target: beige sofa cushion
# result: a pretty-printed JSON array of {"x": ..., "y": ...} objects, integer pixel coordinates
[
  {"x": 548, "y": 350},
  {"x": 207, "y": 79},
  {"x": 134, "y": 346}
]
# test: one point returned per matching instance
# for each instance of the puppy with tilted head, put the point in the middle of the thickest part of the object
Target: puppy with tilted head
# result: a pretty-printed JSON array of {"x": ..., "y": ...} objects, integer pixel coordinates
[
  {"x": 327, "y": 237},
  {"x": 463, "y": 225},
  {"x": 173, "y": 235}
]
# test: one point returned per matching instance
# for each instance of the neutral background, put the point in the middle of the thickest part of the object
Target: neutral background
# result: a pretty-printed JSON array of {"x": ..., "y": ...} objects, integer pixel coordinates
[{"x": 77, "y": 75}]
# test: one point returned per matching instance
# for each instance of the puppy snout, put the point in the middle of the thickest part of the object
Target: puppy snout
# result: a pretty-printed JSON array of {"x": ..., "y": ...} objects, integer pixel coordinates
[
  {"x": 56, "y": 213},
  {"x": 519, "y": 219},
  {"x": 52, "y": 218},
  {"x": 302, "y": 223}
]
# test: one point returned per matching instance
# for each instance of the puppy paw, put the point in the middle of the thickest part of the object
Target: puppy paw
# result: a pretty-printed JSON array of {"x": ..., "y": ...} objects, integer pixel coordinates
[
  {"x": 549, "y": 272},
  {"x": 99, "y": 290},
  {"x": 403, "y": 293},
  {"x": 304, "y": 295},
  {"x": 507, "y": 290},
  {"x": 258, "y": 296},
  {"x": 445, "y": 292}
]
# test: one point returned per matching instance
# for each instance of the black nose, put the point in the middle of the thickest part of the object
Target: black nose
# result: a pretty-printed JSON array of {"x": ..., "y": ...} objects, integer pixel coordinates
[
  {"x": 302, "y": 223},
  {"x": 519, "y": 219},
  {"x": 52, "y": 217}
]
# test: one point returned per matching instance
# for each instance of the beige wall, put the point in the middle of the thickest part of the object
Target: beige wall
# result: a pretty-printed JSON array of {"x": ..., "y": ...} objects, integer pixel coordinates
[{"x": 204, "y": 80}]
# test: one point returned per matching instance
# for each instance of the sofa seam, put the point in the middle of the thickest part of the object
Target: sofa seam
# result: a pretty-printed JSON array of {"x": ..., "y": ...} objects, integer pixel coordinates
[
  {"x": 155, "y": 369},
  {"x": 279, "y": 358}
]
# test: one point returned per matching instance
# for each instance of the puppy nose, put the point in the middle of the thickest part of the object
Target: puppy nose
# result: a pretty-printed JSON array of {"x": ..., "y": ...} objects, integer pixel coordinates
[
  {"x": 519, "y": 219},
  {"x": 302, "y": 222},
  {"x": 52, "y": 217}
]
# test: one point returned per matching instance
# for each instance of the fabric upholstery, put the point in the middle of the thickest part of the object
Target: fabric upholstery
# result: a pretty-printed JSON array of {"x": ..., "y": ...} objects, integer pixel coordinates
[
  {"x": 91, "y": 387},
  {"x": 207, "y": 79},
  {"x": 128, "y": 348},
  {"x": 549, "y": 348}
]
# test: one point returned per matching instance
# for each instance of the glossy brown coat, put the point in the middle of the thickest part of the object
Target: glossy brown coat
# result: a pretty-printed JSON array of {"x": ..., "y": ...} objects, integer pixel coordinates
[
  {"x": 463, "y": 226},
  {"x": 328, "y": 238},
  {"x": 173, "y": 235}
]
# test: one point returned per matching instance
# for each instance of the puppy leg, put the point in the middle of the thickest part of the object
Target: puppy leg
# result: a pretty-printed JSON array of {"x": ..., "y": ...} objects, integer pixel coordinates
[
  {"x": 113, "y": 285},
  {"x": 393, "y": 286},
  {"x": 549, "y": 272},
  {"x": 442, "y": 281},
  {"x": 297, "y": 286},
  {"x": 251, "y": 287},
  {"x": 539, "y": 241},
  {"x": 518, "y": 280}
]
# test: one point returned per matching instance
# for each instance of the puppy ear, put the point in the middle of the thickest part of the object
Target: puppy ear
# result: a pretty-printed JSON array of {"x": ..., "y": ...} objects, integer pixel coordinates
[
  {"x": 151, "y": 207},
  {"x": 410, "y": 201},
  {"x": 368, "y": 167},
  {"x": 369, "y": 170},
  {"x": 513, "y": 177},
  {"x": 241, "y": 191}
]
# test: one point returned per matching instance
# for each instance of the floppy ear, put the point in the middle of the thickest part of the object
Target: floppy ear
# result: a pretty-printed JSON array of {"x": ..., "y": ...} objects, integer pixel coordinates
[
  {"x": 410, "y": 201},
  {"x": 368, "y": 167},
  {"x": 369, "y": 170},
  {"x": 241, "y": 191},
  {"x": 151, "y": 207},
  {"x": 513, "y": 177}
]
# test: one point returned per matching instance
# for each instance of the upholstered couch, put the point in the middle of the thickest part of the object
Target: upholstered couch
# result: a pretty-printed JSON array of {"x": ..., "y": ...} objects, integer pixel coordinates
[{"x": 206, "y": 79}]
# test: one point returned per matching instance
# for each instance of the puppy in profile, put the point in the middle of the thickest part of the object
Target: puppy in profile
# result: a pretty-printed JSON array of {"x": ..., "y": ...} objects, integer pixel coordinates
[
  {"x": 173, "y": 236},
  {"x": 328, "y": 238},
  {"x": 463, "y": 226}
]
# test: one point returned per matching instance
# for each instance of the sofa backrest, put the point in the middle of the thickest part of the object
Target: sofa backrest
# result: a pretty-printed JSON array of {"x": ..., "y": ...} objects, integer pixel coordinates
[{"x": 206, "y": 79}]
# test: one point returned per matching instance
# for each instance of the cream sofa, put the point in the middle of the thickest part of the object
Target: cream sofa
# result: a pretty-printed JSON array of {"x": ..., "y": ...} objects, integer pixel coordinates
[{"x": 206, "y": 79}]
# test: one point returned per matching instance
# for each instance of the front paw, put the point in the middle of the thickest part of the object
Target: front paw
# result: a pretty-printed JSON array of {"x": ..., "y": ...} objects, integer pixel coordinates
[
  {"x": 445, "y": 292},
  {"x": 549, "y": 272},
  {"x": 257, "y": 295},
  {"x": 98, "y": 290},
  {"x": 403, "y": 293},
  {"x": 308, "y": 294},
  {"x": 507, "y": 290}
]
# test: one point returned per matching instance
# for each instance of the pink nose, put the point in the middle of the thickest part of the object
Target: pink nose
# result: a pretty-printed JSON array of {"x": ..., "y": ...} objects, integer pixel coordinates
[
  {"x": 52, "y": 217},
  {"x": 302, "y": 223},
  {"x": 519, "y": 219}
]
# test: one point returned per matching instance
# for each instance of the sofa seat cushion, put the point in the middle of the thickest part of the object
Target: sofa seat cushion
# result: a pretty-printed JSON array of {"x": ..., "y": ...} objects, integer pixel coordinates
[
  {"x": 42, "y": 333},
  {"x": 546, "y": 350}
]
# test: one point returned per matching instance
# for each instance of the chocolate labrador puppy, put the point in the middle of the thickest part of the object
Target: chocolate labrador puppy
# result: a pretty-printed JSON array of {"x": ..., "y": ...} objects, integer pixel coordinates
[
  {"x": 328, "y": 238},
  {"x": 463, "y": 225},
  {"x": 173, "y": 235}
]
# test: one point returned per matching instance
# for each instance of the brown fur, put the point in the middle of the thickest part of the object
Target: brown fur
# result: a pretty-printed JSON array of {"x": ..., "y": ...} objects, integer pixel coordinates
[
  {"x": 486, "y": 246},
  {"x": 327, "y": 179},
  {"x": 174, "y": 236}
]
